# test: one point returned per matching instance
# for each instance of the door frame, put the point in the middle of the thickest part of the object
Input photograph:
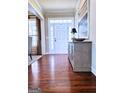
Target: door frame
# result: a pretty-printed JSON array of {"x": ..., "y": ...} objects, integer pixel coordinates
[
  {"x": 61, "y": 18},
  {"x": 38, "y": 27}
]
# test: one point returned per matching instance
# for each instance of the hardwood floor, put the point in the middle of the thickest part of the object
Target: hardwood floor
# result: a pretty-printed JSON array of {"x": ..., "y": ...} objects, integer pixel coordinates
[{"x": 53, "y": 74}]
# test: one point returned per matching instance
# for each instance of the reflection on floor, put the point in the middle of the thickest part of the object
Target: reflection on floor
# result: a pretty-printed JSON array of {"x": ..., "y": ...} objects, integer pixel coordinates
[
  {"x": 54, "y": 74},
  {"x": 34, "y": 58}
]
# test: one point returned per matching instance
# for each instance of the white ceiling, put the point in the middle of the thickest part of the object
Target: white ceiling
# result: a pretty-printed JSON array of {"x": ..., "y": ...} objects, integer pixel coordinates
[{"x": 58, "y": 5}]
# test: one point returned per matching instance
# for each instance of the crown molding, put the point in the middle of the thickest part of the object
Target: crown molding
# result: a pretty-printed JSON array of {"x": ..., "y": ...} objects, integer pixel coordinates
[{"x": 62, "y": 12}]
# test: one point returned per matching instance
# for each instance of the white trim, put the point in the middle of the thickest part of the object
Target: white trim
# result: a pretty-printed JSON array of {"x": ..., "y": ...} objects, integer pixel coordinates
[
  {"x": 32, "y": 61},
  {"x": 93, "y": 70},
  {"x": 43, "y": 36},
  {"x": 56, "y": 53},
  {"x": 38, "y": 13}
]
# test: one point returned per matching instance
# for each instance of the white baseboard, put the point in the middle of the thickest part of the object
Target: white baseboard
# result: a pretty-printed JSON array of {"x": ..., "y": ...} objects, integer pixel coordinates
[
  {"x": 93, "y": 71},
  {"x": 32, "y": 61},
  {"x": 55, "y": 53}
]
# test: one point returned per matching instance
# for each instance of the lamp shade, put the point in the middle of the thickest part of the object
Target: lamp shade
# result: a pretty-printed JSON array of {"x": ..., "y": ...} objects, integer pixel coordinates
[{"x": 73, "y": 30}]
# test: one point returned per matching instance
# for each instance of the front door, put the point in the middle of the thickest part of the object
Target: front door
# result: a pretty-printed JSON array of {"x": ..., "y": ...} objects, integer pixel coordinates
[{"x": 58, "y": 36}]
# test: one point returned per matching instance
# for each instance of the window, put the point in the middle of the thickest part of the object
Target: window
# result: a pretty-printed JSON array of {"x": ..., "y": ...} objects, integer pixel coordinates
[{"x": 34, "y": 34}]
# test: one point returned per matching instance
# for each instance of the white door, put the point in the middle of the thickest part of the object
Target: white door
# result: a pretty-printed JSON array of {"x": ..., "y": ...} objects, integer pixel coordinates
[
  {"x": 58, "y": 36},
  {"x": 61, "y": 38}
]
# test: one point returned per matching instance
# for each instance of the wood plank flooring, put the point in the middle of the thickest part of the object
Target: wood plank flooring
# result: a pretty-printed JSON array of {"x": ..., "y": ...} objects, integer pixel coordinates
[{"x": 53, "y": 74}]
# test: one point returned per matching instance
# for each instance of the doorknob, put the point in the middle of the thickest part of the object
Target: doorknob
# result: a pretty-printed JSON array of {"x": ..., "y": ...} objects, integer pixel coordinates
[{"x": 55, "y": 39}]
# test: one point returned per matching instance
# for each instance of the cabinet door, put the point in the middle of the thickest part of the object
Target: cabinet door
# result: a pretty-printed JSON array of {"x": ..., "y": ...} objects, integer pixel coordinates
[{"x": 82, "y": 55}]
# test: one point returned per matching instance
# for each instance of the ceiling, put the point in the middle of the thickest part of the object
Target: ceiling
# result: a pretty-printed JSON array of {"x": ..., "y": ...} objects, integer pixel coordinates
[{"x": 55, "y": 6}]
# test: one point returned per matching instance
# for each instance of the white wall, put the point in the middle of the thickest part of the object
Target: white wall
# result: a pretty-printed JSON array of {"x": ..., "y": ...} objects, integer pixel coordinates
[
  {"x": 93, "y": 33},
  {"x": 43, "y": 45}
]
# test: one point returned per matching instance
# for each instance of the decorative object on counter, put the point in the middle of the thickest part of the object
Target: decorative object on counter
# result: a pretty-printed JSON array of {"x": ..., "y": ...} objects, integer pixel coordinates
[
  {"x": 79, "y": 39},
  {"x": 73, "y": 31}
]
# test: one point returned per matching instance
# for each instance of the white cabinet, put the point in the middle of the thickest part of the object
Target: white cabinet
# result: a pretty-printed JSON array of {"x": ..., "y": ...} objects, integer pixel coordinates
[{"x": 79, "y": 54}]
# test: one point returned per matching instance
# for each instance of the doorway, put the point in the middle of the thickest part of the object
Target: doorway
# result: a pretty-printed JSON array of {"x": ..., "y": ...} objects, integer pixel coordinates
[
  {"x": 58, "y": 35},
  {"x": 35, "y": 34}
]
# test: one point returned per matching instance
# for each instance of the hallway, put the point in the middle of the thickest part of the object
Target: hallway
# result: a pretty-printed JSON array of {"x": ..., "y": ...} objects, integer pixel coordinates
[{"x": 53, "y": 74}]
